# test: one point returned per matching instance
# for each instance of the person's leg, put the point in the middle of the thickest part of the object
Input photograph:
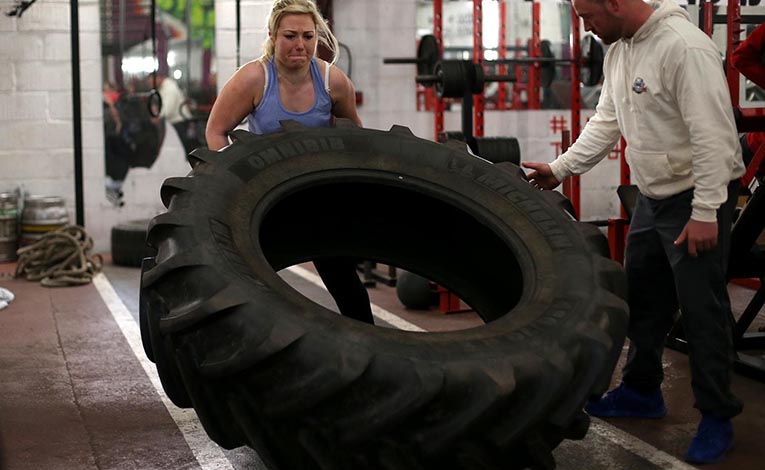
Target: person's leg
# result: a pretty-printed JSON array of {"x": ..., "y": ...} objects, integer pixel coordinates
[
  {"x": 117, "y": 167},
  {"x": 653, "y": 307},
  {"x": 707, "y": 323},
  {"x": 703, "y": 296},
  {"x": 116, "y": 160},
  {"x": 182, "y": 129},
  {"x": 342, "y": 282},
  {"x": 652, "y": 300}
]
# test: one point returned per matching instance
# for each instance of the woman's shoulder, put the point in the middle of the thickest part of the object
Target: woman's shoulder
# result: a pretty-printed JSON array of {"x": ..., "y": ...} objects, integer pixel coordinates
[
  {"x": 253, "y": 68},
  {"x": 251, "y": 75},
  {"x": 337, "y": 78}
]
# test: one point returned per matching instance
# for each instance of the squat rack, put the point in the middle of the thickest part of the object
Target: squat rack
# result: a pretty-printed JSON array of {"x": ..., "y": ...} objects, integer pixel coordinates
[
  {"x": 532, "y": 87},
  {"x": 533, "y": 84}
]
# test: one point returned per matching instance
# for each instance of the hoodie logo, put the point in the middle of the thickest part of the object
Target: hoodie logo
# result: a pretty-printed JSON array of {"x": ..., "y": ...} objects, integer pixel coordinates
[{"x": 639, "y": 86}]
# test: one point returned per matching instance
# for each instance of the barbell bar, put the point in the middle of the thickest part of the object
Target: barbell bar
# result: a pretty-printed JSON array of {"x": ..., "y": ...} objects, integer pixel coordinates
[
  {"x": 427, "y": 56},
  {"x": 457, "y": 78},
  {"x": 591, "y": 61}
]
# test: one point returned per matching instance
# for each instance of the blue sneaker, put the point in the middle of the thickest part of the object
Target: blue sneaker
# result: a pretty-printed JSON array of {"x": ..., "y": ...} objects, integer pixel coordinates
[
  {"x": 624, "y": 402},
  {"x": 713, "y": 440}
]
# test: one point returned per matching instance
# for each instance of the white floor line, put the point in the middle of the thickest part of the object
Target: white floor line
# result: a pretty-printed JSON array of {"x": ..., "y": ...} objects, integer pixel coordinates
[
  {"x": 207, "y": 453},
  {"x": 378, "y": 312},
  {"x": 642, "y": 449}
]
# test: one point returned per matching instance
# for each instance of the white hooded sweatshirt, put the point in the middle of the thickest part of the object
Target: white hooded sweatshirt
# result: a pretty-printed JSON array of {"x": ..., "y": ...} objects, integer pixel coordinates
[{"x": 666, "y": 93}]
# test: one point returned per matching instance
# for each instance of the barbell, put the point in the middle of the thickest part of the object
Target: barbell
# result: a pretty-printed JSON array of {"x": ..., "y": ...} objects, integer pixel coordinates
[{"x": 428, "y": 59}]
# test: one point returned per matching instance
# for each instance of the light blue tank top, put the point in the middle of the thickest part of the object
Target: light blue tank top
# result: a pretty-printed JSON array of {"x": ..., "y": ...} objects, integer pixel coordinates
[{"x": 265, "y": 118}]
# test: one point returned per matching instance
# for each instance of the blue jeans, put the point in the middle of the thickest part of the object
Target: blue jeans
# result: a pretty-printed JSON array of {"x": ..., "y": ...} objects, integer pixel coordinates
[{"x": 663, "y": 277}]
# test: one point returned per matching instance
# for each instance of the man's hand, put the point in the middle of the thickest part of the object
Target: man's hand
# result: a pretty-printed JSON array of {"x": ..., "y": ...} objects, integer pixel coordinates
[
  {"x": 700, "y": 236},
  {"x": 542, "y": 177}
]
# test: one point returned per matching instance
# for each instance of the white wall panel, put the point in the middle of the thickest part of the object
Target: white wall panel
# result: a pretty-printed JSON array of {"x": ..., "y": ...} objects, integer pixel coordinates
[
  {"x": 7, "y": 77},
  {"x": 23, "y": 106},
  {"x": 21, "y": 46},
  {"x": 47, "y": 16},
  {"x": 43, "y": 76},
  {"x": 34, "y": 135}
]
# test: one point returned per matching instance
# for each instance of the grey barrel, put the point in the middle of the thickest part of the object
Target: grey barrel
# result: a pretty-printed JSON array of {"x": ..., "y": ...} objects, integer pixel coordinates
[
  {"x": 42, "y": 214},
  {"x": 9, "y": 226}
]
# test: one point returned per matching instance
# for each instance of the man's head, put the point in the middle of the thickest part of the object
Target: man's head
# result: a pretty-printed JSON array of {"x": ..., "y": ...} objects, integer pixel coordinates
[
  {"x": 599, "y": 17},
  {"x": 612, "y": 20}
]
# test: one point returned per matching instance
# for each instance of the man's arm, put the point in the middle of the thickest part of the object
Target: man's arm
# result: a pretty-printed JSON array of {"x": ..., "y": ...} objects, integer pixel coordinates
[
  {"x": 600, "y": 135},
  {"x": 708, "y": 115}
]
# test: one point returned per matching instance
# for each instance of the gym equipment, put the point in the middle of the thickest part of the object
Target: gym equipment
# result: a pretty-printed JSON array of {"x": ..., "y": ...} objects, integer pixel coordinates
[
  {"x": 128, "y": 243},
  {"x": 415, "y": 291},
  {"x": 429, "y": 72},
  {"x": 307, "y": 388},
  {"x": 462, "y": 79}
]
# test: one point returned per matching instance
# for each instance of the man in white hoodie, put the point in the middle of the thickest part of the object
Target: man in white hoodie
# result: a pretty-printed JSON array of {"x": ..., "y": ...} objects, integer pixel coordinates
[{"x": 665, "y": 92}]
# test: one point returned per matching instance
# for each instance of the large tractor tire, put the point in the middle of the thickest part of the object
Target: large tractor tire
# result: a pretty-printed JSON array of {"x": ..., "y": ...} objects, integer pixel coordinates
[{"x": 309, "y": 389}]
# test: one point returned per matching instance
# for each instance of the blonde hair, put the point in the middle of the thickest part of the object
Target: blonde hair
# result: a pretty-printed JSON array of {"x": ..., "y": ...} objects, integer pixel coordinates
[{"x": 306, "y": 7}]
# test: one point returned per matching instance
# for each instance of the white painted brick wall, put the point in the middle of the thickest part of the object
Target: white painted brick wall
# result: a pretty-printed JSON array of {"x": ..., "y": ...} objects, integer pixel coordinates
[
  {"x": 253, "y": 27},
  {"x": 48, "y": 16},
  {"x": 7, "y": 75},
  {"x": 23, "y": 107},
  {"x": 374, "y": 30},
  {"x": 43, "y": 75},
  {"x": 21, "y": 46},
  {"x": 36, "y": 103}
]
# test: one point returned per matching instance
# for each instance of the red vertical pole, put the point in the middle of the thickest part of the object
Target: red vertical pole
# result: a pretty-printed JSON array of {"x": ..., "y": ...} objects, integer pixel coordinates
[
  {"x": 733, "y": 40},
  {"x": 478, "y": 99},
  {"x": 438, "y": 33},
  {"x": 570, "y": 190},
  {"x": 576, "y": 67},
  {"x": 502, "y": 53},
  {"x": 709, "y": 14},
  {"x": 518, "y": 87},
  {"x": 534, "y": 51},
  {"x": 573, "y": 184},
  {"x": 624, "y": 170},
  {"x": 617, "y": 230}
]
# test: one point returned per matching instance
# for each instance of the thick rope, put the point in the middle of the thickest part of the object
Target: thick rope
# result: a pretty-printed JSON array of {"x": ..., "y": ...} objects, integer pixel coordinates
[{"x": 60, "y": 258}]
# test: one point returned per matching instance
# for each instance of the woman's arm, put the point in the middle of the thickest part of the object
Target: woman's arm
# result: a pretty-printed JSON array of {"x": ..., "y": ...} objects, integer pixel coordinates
[
  {"x": 343, "y": 96},
  {"x": 239, "y": 96}
]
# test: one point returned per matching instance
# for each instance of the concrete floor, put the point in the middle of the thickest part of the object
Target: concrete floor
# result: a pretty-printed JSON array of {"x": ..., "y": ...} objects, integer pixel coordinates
[{"x": 77, "y": 391}]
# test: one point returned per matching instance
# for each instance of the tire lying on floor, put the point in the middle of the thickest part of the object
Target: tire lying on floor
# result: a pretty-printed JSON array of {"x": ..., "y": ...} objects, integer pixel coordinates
[
  {"x": 128, "y": 243},
  {"x": 309, "y": 389}
]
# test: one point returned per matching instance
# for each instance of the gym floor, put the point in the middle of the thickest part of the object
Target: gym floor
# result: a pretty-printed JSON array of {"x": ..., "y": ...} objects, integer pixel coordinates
[{"x": 77, "y": 391}]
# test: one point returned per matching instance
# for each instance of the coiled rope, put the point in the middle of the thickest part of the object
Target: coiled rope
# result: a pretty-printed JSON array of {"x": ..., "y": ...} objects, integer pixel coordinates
[{"x": 60, "y": 258}]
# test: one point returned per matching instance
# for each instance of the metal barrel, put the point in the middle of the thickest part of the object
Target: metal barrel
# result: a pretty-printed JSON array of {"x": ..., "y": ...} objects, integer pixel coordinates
[
  {"x": 42, "y": 214},
  {"x": 9, "y": 226}
]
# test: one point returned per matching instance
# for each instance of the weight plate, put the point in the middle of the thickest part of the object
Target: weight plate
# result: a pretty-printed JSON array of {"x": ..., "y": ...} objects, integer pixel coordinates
[
  {"x": 593, "y": 55},
  {"x": 427, "y": 55}
]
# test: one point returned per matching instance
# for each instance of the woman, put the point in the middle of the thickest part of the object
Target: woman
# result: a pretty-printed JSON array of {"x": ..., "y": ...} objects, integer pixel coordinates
[{"x": 289, "y": 82}]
